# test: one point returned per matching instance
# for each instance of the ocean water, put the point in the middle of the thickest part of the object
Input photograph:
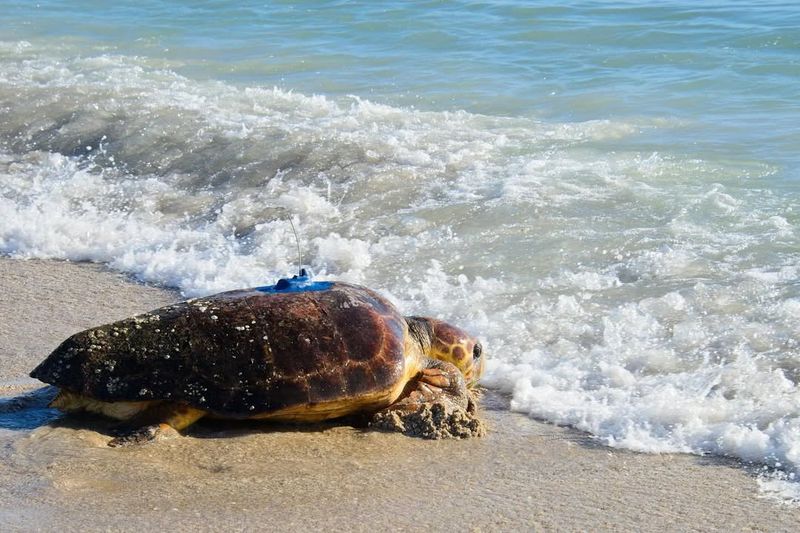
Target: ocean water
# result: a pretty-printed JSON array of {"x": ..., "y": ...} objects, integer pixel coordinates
[{"x": 607, "y": 193}]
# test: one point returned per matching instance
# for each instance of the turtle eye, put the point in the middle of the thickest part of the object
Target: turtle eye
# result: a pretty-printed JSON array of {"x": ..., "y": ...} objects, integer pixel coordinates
[{"x": 477, "y": 351}]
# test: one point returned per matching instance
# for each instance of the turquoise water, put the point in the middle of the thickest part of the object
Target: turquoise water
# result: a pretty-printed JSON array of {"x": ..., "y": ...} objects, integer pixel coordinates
[
  {"x": 727, "y": 70},
  {"x": 606, "y": 192}
]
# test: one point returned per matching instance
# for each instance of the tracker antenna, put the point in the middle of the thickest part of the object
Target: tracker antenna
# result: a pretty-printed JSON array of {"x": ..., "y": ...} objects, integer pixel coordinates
[{"x": 301, "y": 270}]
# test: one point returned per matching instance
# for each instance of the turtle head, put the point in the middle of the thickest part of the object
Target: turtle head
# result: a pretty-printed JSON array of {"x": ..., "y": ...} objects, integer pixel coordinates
[{"x": 440, "y": 340}]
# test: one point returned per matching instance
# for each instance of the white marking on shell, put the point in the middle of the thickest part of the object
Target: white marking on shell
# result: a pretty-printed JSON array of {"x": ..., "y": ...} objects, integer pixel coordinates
[{"x": 112, "y": 384}]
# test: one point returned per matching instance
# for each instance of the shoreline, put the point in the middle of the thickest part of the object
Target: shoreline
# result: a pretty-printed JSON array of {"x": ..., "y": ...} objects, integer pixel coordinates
[{"x": 525, "y": 474}]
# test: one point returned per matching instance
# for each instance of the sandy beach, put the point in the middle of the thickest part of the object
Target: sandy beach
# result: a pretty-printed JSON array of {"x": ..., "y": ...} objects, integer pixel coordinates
[{"x": 57, "y": 473}]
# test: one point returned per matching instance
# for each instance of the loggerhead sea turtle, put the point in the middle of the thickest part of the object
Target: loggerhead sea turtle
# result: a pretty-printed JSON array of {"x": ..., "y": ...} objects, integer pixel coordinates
[{"x": 297, "y": 351}]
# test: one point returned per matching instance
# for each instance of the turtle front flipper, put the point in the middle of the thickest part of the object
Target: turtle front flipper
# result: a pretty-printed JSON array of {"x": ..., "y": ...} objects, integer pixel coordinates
[
  {"x": 161, "y": 421},
  {"x": 436, "y": 404}
]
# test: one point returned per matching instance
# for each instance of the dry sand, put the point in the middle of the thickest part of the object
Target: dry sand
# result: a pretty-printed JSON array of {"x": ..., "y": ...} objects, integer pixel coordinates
[{"x": 524, "y": 475}]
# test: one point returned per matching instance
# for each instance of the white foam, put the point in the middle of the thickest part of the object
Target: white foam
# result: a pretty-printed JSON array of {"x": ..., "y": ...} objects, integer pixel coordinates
[{"x": 781, "y": 488}]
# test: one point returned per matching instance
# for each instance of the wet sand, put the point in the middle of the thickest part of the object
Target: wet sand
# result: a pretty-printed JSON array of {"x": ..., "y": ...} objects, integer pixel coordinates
[{"x": 57, "y": 473}]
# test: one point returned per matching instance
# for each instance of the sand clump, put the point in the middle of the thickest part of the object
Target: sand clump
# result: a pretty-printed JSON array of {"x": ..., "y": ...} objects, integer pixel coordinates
[{"x": 437, "y": 420}]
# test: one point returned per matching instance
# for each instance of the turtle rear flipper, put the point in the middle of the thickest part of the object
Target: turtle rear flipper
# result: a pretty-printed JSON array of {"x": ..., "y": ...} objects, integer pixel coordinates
[
  {"x": 435, "y": 405},
  {"x": 164, "y": 420}
]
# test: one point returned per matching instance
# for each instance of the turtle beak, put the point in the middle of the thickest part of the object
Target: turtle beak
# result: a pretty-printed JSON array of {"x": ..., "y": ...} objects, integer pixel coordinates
[
  {"x": 476, "y": 369},
  {"x": 474, "y": 374}
]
